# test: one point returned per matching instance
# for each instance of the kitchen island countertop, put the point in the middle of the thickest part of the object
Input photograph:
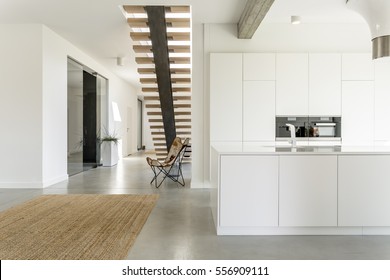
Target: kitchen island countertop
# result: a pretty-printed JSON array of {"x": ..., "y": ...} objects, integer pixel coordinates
[{"x": 275, "y": 148}]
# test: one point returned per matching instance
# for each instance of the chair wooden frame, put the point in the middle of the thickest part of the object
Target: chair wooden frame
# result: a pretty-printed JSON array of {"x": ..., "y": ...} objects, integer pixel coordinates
[{"x": 166, "y": 168}]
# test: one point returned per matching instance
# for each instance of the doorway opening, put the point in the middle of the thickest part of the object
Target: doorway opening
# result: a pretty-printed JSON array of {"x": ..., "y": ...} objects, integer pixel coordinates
[{"x": 140, "y": 145}]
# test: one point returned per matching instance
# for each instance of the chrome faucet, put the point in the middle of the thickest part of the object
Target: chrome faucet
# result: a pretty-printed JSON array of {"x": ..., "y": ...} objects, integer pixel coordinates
[{"x": 292, "y": 140}]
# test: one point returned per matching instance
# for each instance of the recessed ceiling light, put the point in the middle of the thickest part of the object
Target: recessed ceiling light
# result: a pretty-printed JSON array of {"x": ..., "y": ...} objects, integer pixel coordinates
[{"x": 295, "y": 19}]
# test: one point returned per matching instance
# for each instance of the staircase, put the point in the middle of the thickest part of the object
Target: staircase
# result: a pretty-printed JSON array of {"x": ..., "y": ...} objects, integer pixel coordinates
[{"x": 178, "y": 35}]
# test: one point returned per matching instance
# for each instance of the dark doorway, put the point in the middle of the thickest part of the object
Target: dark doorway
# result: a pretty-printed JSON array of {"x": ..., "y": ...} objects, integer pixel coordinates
[
  {"x": 139, "y": 126},
  {"x": 89, "y": 120}
]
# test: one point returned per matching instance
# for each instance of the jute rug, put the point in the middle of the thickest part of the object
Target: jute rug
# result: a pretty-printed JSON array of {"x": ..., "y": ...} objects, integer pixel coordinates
[{"x": 75, "y": 227}]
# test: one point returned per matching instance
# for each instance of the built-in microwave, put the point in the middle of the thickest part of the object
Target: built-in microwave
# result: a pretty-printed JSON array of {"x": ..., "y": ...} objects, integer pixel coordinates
[{"x": 321, "y": 128}]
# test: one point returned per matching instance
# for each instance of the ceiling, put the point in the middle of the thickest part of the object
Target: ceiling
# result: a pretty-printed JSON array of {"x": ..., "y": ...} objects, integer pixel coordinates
[{"x": 100, "y": 29}]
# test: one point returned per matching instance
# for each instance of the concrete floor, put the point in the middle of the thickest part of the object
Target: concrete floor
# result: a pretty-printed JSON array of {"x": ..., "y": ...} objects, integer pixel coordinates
[{"x": 181, "y": 225}]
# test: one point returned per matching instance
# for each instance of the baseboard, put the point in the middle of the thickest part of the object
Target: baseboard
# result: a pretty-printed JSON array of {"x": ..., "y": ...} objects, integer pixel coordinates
[
  {"x": 53, "y": 181},
  {"x": 200, "y": 185},
  {"x": 21, "y": 185},
  {"x": 33, "y": 185},
  {"x": 303, "y": 230}
]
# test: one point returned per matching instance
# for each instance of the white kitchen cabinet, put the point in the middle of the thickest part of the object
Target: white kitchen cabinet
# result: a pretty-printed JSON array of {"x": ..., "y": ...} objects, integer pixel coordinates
[
  {"x": 226, "y": 97},
  {"x": 382, "y": 100},
  {"x": 259, "y": 66},
  {"x": 308, "y": 191},
  {"x": 259, "y": 111},
  {"x": 292, "y": 84},
  {"x": 362, "y": 200},
  {"x": 357, "y": 122},
  {"x": 357, "y": 67},
  {"x": 324, "y": 84},
  {"x": 249, "y": 191}
]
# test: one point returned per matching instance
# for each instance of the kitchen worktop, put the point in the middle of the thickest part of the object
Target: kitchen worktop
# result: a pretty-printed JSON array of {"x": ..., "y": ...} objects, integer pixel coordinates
[{"x": 281, "y": 148}]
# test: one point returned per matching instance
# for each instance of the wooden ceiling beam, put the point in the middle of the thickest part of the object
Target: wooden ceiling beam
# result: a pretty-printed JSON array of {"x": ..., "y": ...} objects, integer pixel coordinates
[{"x": 253, "y": 14}]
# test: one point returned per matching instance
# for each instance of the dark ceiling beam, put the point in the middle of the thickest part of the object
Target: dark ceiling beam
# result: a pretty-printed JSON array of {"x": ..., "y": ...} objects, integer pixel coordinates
[
  {"x": 253, "y": 14},
  {"x": 158, "y": 36}
]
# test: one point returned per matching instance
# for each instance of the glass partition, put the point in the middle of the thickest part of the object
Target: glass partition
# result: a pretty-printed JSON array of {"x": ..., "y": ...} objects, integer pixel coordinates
[{"x": 75, "y": 117}]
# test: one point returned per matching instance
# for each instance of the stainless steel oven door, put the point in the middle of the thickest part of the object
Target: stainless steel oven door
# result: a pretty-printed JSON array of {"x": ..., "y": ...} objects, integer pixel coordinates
[{"x": 326, "y": 129}]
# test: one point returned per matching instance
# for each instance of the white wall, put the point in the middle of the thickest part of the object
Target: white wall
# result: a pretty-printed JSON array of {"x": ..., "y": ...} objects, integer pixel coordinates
[
  {"x": 34, "y": 104},
  {"x": 125, "y": 96},
  {"x": 147, "y": 138},
  {"x": 280, "y": 37},
  {"x": 54, "y": 111},
  {"x": 21, "y": 105},
  {"x": 200, "y": 110},
  {"x": 308, "y": 38}
]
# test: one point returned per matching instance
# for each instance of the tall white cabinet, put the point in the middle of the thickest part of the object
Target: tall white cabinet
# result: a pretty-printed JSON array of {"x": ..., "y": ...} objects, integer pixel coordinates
[
  {"x": 226, "y": 97},
  {"x": 358, "y": 113},
  {"x": 259, "y": 111},
  {"x": 358, "y": 99},
  {"x": 292, "y": 91},
  {"x": 259, "y": 67},
  {"x": 357, "y": 67},
  {"x": 259, "y": 97},
  {"x": 242, "y": 97},
  {"x": 324, "y": 84},
  {"x": 382, "y": 100}
]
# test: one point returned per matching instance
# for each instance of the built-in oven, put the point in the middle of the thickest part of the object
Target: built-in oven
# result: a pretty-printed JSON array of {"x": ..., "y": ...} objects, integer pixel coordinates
[{"x": 313, "y": 128}]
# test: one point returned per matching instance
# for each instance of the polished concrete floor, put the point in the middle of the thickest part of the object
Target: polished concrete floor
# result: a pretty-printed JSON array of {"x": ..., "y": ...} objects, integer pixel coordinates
[{"x": 181, "y": 226}]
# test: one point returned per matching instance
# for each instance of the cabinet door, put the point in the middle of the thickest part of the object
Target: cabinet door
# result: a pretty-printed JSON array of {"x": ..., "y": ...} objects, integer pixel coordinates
[
  {"x": 292, "y": 84},
  {"x": 357, "y": 67},
  {"x": 226, "y": 97},
  {"x": 382, "y": 100},
  {"x": 325, "y": 84},
  {"x": 308, "y": 191},
  {"x": 357, "y": 122},
  {"x": 364, "y": 193},
  {"x": 249, "y": 191},
  {"x": 259, "y": 111},
  {"x": 259, "y": 67}
]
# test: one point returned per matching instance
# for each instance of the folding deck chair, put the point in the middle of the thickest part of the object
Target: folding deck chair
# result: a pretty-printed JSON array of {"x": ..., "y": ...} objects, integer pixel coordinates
[{"x": 171, "y": 166}]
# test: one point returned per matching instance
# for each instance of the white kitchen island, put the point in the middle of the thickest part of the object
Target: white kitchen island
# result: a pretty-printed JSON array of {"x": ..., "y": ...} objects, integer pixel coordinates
[{"x": 308, "y": 190}]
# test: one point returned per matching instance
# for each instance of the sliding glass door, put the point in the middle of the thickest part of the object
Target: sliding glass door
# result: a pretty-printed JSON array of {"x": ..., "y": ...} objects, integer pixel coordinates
[{"x": 87, "y": 115}]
